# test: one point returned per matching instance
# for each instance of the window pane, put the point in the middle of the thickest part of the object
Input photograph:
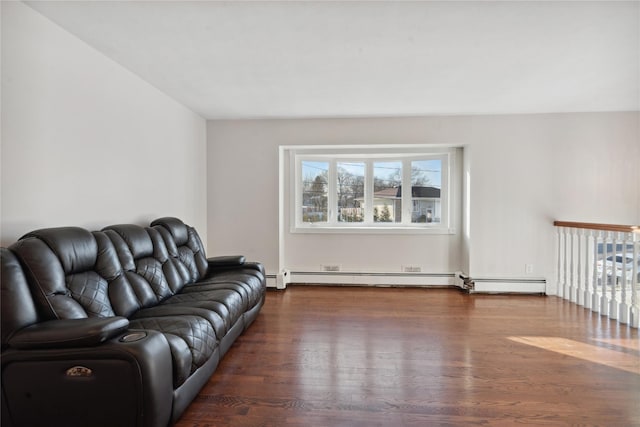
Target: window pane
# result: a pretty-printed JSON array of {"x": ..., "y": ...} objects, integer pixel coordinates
[
  {"x": 426, "y": 182},
  {"x": 387, "y": 191},
  {"x": 350, "y": 188},
  {"x": 314, "y": 191}
]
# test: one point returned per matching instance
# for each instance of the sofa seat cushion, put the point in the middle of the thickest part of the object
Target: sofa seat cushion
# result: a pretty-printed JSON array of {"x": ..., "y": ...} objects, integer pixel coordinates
[
  {"x": 226, "y": 302},
  {"x": 247, "y": 285},
  {"x": 192, "y": 341},
  {"x": 213, "y": 317},
  {"x": 216, "y": 286}
]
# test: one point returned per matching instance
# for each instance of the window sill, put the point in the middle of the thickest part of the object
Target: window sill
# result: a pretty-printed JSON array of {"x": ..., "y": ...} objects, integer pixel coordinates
[{"x": 372, "y": 230}]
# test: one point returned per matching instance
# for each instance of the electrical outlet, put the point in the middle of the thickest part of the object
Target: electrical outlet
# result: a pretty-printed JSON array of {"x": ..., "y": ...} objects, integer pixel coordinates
[{"x": 528, "y": 268}]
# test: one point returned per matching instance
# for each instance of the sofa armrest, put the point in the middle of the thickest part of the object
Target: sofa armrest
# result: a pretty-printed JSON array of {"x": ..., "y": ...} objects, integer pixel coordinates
[
  {"x": 133, "y": 377},
  {"x": 68, "y": 333},
  {"x": 229, "y": 261},
  {"x": 222, "y": 264}
]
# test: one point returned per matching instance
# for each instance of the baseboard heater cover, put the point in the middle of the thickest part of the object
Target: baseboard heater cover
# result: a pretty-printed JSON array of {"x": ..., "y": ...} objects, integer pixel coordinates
[
  {"x": 369, "y": 278},
  {"x": 271, "y": 280},
  {"x": 508, "y": 286},
  {"x": 472, "y": 285}
]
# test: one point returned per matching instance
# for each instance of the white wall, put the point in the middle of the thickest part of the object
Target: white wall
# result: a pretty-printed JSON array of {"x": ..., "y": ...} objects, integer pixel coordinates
[
  {"x": 525, "y": 171},
  {"x": 86, "y": 142}
]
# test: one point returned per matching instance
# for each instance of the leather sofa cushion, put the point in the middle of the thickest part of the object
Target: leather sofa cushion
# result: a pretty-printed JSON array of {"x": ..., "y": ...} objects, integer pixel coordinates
[
  {"x": 227, "y": 303},
  {"x": 223, "y": 285},
  {"x": 141, "y": 280},
  {"x": 249, "y": 284},
  {"x": 63, "y": 284},
  {"x": 75, "y": 247},
  {"x": 188, "y": 252},
  {"x": 177, "y": 229},
  {"x": 216, "y": 321},
  {"x": 135, "y": 237},
  {"x": 191, "y": 338}
]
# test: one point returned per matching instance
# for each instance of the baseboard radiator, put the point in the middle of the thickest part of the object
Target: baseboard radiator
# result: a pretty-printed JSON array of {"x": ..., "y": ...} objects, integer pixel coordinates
[
  {"x": 372, "y": 279},
  {"x": 407, "y": 279}
]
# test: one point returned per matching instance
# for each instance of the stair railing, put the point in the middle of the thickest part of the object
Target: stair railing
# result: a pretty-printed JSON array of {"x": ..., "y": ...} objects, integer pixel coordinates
[{"x": 598, "y": 268}]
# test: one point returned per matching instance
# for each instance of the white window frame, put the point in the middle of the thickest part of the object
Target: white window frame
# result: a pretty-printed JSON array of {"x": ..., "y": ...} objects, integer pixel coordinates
[{"x": 368, "y": 155}]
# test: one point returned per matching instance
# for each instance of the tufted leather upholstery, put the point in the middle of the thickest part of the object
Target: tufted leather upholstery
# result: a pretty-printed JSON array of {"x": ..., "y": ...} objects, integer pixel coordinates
[
  {"x": 91, "y": 291},
  {"x": 59, "y": 264}
]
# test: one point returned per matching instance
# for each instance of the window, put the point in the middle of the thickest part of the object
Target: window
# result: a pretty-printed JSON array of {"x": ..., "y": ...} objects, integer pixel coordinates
[
  {"x": 350, "y": 190},
  {"x": 315, "y": 191},
  {"x": 360, "y": 190}
]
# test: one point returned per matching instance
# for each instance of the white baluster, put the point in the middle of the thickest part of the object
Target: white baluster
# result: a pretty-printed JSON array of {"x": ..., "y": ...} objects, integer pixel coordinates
[
  {"x": 569, "y": 285},
  {"x": 572, "y": 282},
  {"x": 559, "y": 282},
  {"x": 579, "y": 277},
  {"x": 565, "y": 263},
  {"x": 586, "y": 295},
  {"x": 623, "y": 306},
  {"x": 577, "y": 263},
  {"x": 595, "y": 301},
  {"x": 613, "y": 302},
  {"x": 635, "y": 295},
  {"x": 604, "y": 301}
]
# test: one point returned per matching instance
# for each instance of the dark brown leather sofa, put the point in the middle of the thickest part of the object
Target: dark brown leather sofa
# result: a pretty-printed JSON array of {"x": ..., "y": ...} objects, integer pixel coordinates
[{"x": 118, "y": 327}]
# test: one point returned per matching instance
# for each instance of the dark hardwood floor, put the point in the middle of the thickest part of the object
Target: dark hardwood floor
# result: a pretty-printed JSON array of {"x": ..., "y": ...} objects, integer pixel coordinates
[{"x": 347, "y": 356}]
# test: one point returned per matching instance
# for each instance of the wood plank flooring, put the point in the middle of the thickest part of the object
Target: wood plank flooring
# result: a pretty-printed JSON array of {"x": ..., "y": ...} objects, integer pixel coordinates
[{"x": 348, "y": 356}]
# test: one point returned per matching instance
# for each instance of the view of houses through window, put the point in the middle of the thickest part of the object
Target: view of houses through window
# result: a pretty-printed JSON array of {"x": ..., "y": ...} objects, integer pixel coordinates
[
  {"x": 350, "y": 188},
  {"x": 401, "y": 190}
]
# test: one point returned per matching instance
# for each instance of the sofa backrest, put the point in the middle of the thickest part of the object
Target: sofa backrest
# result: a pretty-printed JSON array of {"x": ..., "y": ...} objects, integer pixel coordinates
[
  {"x": 184, "y": 245},
  {"x": 147, "y": 268},
  {"x": 74, "y": 273},
  {"x": 18, "y": 309},
  {"x": 60, "y": 267}
]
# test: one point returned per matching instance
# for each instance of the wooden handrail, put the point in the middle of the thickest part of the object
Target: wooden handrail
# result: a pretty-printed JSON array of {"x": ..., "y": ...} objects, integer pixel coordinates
[{"x": 605, "y": 227}]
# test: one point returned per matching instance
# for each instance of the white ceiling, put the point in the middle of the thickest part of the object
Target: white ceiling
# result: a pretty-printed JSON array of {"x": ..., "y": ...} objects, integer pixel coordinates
[{"x": 358, "y": 59}]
